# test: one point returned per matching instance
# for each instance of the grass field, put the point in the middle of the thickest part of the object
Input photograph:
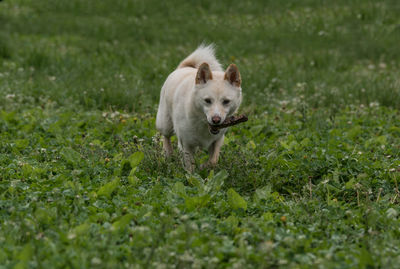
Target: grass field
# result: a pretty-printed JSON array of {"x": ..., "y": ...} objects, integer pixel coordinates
[{"x": 311, "y": 181}]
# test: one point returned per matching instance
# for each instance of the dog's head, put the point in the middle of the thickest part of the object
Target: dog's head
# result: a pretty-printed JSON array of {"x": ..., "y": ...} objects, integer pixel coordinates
[{"x": 218, "y": 94}]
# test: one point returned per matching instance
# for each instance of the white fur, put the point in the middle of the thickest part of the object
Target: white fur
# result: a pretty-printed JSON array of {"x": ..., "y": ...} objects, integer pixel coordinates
[
  {"x": 184, "y": 111},
  {"x": 202, "y": 54}
]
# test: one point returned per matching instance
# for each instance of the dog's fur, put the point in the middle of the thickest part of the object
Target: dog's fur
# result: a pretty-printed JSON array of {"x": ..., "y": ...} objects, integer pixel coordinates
[{"x": 196, "y": 94}]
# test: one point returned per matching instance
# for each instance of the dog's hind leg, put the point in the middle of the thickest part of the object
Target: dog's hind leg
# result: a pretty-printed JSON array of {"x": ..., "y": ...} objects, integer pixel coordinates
[{"x": 165, "y": 126}]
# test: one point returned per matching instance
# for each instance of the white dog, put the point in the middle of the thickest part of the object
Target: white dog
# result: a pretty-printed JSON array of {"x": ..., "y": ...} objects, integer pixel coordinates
[{"x": 198, "y": 94}]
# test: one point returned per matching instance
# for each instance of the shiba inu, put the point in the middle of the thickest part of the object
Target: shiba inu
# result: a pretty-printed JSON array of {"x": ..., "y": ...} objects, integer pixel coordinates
[{"x": 194, "y": 96}]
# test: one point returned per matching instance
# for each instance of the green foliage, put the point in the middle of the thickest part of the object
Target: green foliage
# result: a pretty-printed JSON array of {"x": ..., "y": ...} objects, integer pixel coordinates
[
  {"x": 108, "y": 188},
  {"x": 70, "y": 155},
  {"x": 235, "y": 200},
  {"x": 121, "y": 223},
  {"x": 311, "y": 181},
  {"x": 24, "y": 256},
  {"x": 302, "y": 190}
]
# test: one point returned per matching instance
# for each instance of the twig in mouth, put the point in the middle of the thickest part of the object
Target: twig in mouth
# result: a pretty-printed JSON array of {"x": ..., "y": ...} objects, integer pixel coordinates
[{"x": 232, "y": 120}]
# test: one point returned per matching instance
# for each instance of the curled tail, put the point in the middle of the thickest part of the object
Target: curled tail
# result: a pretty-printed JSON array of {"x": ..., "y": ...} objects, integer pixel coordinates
[{"x": 203, "y": 54}]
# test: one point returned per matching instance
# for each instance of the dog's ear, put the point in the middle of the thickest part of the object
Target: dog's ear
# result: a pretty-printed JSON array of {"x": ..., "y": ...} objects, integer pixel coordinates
[
  {"x": 203, "y": 74},
  {"x": 232, "y": 75}
]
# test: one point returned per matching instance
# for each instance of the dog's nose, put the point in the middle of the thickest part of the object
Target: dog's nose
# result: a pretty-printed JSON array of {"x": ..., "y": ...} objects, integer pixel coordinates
[{"x": 216, "y": 119}]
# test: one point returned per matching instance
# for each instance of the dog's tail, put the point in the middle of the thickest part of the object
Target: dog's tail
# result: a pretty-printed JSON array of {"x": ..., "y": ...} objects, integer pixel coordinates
[{"x": 203, "y": 54}]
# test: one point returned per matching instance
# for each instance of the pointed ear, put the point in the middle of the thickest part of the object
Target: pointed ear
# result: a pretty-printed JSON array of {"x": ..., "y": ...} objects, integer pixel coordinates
[
  {"x": 232, "y": 75},
  {"x": 203, "y": 74}
]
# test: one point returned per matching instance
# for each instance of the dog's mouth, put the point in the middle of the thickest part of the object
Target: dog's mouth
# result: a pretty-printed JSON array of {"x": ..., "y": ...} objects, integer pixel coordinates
[
  {"x": 213, "y": 129},
  {"x": 230, "y": 121}
]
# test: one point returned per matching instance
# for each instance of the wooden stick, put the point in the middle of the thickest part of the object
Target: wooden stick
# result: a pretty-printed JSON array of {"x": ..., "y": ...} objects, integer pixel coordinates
[{"x": 232, "y": 120}]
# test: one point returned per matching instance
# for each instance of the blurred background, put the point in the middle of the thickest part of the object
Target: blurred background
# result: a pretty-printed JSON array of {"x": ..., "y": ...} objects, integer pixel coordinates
[{"x": 102, "y": 54}]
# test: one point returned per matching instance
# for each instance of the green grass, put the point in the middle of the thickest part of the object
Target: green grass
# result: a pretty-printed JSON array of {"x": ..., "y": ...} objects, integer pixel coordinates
[{"x": 311, "y": 181}]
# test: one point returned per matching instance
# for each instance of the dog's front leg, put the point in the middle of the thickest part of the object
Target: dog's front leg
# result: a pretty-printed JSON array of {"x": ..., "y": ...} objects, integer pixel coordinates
[
  {"x": 188, "y": 156},
  {"x": 167, "y": 146},
  {"x": 214, "y": 151},
  {"x": 188, "y": 161}
]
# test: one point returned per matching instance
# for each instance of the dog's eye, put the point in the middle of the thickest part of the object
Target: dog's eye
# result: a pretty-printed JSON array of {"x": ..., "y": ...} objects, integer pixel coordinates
[
  {"x": 207, "y": 100},
  {"x": 226, "y": 102}
]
